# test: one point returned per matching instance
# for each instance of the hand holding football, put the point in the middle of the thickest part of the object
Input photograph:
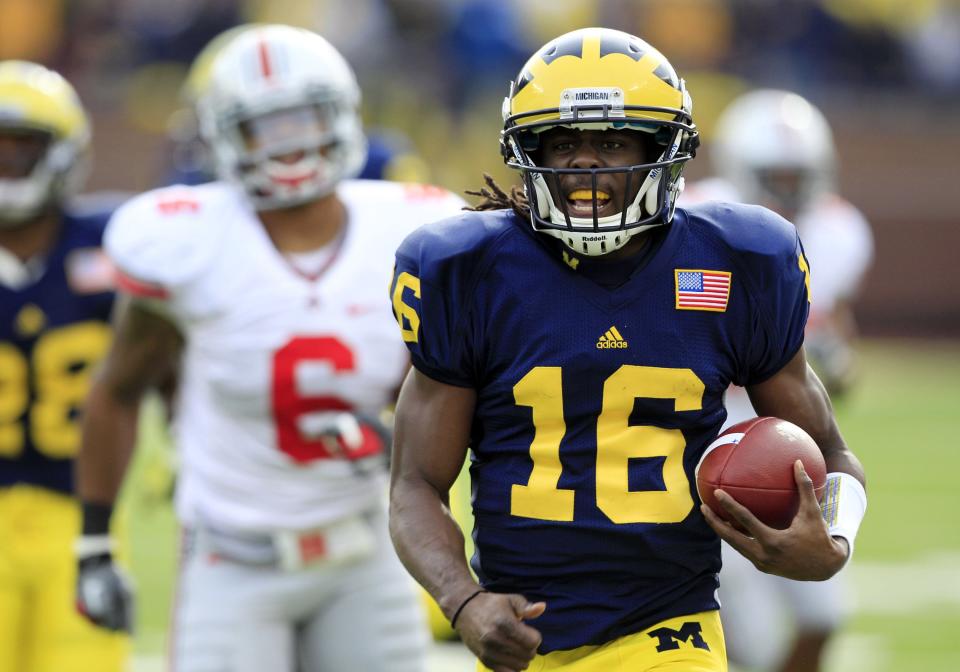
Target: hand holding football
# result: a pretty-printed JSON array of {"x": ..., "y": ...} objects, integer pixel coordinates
[{"x": 752, "y": 461}]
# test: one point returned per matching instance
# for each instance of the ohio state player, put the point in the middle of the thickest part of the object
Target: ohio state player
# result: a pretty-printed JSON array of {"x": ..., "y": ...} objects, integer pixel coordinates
[
  {"x": 267, "y": 290},
  {"x": 775, "y": 148}
]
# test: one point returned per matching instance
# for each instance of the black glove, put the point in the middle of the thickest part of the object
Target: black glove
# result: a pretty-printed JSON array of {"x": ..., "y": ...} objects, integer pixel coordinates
[{"x": 104, "y": 593}]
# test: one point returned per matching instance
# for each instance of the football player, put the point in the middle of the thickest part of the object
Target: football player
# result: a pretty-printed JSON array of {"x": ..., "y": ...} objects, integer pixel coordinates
[
  {"x": 390, "y": 155},
  {"x": 266, "y": 289},
  {"x": 579, "y": 337},
  {"x": 776, "y": 149},
  {"x": 55, "y": 302}
]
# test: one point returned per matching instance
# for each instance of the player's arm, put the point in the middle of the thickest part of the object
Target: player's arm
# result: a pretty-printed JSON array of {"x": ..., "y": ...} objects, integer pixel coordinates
[
  {"x": 808, "y": 549},
  {"x": 144, "y": 353},
  {"x": 432, "y": 432}
]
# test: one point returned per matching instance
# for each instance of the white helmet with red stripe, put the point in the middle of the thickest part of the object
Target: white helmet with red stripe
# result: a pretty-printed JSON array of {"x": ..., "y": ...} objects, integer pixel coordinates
[
  {"x": 280, "y": 111},
  {"x": 777, "y": 149}
]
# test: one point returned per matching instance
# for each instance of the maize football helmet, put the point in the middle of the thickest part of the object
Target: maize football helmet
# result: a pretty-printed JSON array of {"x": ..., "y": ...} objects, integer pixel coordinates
[
  {"x": 776, "y": 149},
  {"x": 600, "y": 79},
  {"x": 280, "y": 113},
  {"x": 38, "y": 103}
]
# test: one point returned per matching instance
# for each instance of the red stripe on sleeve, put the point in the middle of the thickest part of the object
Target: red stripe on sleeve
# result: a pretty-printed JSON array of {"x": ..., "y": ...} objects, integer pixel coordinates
[{"x": 139, "y": 288}]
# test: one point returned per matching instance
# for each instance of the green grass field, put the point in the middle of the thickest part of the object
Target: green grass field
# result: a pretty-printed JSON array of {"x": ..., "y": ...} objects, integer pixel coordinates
[{"x": 903, "y": 421}]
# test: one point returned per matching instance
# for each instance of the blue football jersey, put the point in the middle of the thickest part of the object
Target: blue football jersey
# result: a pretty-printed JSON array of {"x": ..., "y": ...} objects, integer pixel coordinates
[
  {"x": 52, "y": 333},
  {"x": 595, "y": 403}
]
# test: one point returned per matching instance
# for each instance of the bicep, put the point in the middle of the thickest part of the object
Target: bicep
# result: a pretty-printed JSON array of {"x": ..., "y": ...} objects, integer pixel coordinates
[
  {"x": 795, "y": 394},
  {"x": 432, "y": 432},
  {"x": 145, "y": 351}
]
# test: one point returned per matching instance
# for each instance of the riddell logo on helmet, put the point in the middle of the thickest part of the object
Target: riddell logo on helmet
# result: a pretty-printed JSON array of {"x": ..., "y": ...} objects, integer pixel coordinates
[{"x": 593, "y": 239}]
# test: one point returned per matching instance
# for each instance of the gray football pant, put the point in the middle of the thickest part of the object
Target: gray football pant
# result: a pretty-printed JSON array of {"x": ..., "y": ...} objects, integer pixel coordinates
[
  {"x": 761, "y": 613},
  {"x": 231, "y": 617}
]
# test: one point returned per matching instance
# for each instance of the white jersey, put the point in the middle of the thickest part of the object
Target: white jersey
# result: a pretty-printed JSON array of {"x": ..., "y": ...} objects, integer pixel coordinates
[
  {"x": 838, "y": 244},
  {"x": 836, "y": 237},
  {"x": 268, "y": 349}
]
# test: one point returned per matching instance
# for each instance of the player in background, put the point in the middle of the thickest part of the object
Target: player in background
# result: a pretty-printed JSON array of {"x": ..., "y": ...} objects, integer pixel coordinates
[
  {"x": 55, "y": 303},
  {"x": 266, "y": 289},
  {"x": 579, "y": 337},
  {"x": 776, "y": 149},
  {"x": 390, "y": 155}
]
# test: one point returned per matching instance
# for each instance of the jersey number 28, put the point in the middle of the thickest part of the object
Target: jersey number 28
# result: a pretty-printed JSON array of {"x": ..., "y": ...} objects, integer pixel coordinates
[{"x": 61, "y": 365}]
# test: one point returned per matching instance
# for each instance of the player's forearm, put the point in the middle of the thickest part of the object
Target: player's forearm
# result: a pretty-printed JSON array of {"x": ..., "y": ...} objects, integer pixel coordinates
[
  {"x": 843, "y": 460},
  {"x": 108, "y": 438},
  {"x": 815, "y": 414},
  {"x": 430, "y": 543}
]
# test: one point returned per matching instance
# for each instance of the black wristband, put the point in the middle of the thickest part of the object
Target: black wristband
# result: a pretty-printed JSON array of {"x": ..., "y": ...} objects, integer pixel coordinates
[
  {"x": 453, "y": 621},
  {"x": 96, "y": 518}
]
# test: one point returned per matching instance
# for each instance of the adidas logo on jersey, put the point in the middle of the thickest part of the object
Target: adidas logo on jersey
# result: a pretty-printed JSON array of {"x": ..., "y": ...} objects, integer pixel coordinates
[{"x": 611, "y": 339}]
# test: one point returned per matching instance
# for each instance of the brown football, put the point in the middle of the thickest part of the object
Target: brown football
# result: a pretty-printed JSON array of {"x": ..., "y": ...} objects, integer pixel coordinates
[{"x": 752, "y": 462}]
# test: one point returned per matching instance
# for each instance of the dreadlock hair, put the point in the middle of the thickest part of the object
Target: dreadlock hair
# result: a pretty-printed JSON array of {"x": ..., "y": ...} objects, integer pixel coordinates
[{"x": 495, "y": 198}]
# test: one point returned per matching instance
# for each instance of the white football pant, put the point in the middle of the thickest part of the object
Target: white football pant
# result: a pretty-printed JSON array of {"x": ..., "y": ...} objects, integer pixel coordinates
[
  {"x": 761, "y": 613},
  {"x": 231, "y": 617}
]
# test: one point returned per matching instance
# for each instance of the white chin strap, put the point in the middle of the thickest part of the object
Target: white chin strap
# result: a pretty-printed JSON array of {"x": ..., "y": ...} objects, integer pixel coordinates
[
  {"x": 583, "y": 238},
  {"x": 23, "y": 198}
]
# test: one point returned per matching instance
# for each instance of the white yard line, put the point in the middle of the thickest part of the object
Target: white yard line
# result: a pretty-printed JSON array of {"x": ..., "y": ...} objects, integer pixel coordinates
[{"x": 932, "y": 582}]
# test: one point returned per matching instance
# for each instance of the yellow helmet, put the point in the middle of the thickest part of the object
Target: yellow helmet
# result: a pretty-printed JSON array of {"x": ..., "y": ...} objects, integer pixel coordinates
[
  {"x": 34, "y": 98},
  {"x": 598, "y": 78}
]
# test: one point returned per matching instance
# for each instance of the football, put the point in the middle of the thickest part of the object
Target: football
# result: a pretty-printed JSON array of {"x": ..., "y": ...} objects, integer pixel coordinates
[{"x": 752, "y": 461}]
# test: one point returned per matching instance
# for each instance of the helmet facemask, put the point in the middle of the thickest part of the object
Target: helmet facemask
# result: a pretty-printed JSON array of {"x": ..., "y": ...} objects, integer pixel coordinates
[
  {"x": 46, "y": 142},
  {"x": 643, "y": 207},
  {"x": 789, "y": 190},
  {"x": 279, "y": 111},
  {"x": 599, "y": 79},
  {"x": 776, "y": 149},
  {"x": 41, "y": 173},
  {"x": 287, "y": 156}
]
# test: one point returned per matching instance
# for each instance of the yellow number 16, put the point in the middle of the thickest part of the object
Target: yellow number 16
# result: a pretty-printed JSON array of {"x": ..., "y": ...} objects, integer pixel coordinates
[{"x": 617, "y": 442}]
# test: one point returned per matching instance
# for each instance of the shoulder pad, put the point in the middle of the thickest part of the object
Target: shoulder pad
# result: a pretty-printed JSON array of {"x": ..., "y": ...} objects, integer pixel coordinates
[
  {"x": 167, "y": 236},
  {"x": 462, "y": 239},
  {"x": 749, "y": 229}
]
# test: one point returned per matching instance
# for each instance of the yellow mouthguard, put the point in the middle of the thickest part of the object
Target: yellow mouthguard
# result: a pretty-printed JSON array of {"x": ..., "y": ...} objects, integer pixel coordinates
[{"x": 587, "y": 195}]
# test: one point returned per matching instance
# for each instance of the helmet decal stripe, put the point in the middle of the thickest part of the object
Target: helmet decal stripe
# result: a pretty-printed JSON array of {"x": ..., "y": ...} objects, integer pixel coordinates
[
  {"x": 266, "y": 67},
  {"x": 619, "y": 43},
  {"x": 523, "y": 79},
  {"x": 666, "y": 72},
  {"x": 567, "y": 45}
]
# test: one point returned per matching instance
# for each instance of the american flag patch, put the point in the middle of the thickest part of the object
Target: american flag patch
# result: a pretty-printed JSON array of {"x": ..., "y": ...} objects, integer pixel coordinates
[
  {"x": 702, "y": 290},
  {"x": 89, "y": 271}
]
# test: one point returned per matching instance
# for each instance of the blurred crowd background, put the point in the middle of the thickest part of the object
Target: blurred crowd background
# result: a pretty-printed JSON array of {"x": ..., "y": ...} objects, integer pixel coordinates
[{"x": 885, "y": 72}]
